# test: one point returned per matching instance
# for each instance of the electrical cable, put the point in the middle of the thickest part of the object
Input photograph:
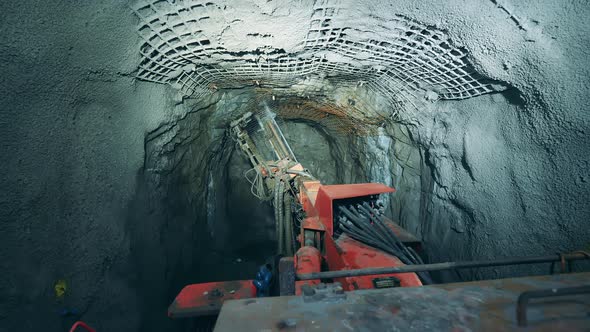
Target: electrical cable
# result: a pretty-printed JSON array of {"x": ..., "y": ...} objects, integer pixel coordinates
[
  {"x": 367, "y": 226},
  {"x": 257, "y": 185},
  {"x": 288, "y": 220},
  {"x": 280, "y": 215},
  {"x": 362, "y": 228},
  {"x": 277, "y": 216}
]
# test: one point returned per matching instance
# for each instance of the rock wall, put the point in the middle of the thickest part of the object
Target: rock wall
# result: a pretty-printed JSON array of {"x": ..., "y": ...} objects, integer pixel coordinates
[
  {"x": 508, "y": 170},
  {"x": 72, "y": 125},
  {"x": 116, "y": 185}
]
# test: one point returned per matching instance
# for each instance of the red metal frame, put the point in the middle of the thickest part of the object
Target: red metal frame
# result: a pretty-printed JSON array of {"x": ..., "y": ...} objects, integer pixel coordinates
[
  {"x": 308, "y": 193},
  {"x": 307, "y": 260},
  {"x": 347, "y": 253},
  {"x": 207, "y": 298},
  {"x": 342, "y": 254},
  {"x": 328, "y": 194}
]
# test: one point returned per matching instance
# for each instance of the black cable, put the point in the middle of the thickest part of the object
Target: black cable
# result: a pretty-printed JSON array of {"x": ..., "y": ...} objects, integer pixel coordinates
[
  {"x": 364, "y": 226},
  {"x": 288, "y": 220},
  {"x": 368, "y": 227},
  {"x": 386, "y": 230},
  {"x": 386, "y": 244},
  {"x": 362, "y": 239},
  {"x": 354, "y": 231}
]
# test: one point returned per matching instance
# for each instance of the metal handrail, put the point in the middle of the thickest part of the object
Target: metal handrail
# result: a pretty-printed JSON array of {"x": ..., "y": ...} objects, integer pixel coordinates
[{"x": 442, "y": 266}]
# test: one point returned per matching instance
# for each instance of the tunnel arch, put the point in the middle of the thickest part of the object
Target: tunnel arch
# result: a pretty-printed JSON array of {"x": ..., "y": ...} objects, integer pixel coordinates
[{"x": 186, "y": 45}]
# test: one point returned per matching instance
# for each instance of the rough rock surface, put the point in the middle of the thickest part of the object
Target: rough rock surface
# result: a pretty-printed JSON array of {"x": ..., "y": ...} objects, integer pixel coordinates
[{"x": 120, "y": 187}]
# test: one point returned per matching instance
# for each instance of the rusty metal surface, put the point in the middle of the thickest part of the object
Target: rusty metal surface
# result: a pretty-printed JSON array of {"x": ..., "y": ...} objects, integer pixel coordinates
[
  {"x": 476, "y": 306},
  {"x": 525, "y": 298}
]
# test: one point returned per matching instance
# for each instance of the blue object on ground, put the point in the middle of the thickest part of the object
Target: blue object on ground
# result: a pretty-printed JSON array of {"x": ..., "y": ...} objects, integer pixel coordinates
[{"x": 262, "y": 281}]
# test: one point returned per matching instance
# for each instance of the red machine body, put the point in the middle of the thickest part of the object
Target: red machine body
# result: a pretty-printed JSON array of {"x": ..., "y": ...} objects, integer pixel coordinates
[
  {"x": 346, "y": 253},
  {"x": 328, "y": 194},
  {"x": 207, "y": 298},
  {"x": 318, "y": 249}
]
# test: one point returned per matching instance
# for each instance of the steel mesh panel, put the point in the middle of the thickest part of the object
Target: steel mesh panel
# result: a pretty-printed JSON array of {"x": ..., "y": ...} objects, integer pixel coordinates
[{"x": 413, "y": 64}]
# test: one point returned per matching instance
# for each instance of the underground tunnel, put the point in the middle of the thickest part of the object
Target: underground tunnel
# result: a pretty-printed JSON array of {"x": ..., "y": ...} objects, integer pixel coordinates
[{"x": 125, "y": 177}]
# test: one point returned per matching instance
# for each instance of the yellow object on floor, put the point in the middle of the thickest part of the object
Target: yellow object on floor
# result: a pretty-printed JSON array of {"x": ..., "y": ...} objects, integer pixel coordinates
[{"x": 60, "y": 288}]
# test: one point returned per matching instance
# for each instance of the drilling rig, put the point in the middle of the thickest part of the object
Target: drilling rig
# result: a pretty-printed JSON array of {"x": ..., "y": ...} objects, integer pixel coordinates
[
  {"x": 331, "y": 240},
  {"x": 317, "y": 226}
]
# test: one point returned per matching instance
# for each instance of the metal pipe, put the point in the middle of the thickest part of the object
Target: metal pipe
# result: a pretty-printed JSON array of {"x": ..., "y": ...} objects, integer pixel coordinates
[
  {"x": 282, "y": 137},
  {"x": 278, "y": 140},
  {"x": 440, "y": 266},
  {"x": 290, "y": 171}
]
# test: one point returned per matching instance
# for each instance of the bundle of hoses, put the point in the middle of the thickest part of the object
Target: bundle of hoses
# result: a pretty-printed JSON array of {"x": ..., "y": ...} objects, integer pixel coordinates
[
  {"x": 257, "y": 184},
  {"x": 283, "y": 219},
  {"x": 366, "y": 225}
]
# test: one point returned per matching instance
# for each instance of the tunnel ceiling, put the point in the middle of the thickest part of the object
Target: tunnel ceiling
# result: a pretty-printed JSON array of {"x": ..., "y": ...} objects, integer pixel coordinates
[{"x": 296, "y": 48}]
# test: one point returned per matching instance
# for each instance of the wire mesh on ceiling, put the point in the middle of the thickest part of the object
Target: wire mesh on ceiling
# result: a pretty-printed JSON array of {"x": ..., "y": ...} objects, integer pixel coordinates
[{"x": 412, "y": 64}]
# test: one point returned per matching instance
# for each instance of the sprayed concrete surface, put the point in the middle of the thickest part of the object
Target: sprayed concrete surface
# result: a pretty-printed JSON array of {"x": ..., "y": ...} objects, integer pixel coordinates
[{"x": 119, "y": 186}]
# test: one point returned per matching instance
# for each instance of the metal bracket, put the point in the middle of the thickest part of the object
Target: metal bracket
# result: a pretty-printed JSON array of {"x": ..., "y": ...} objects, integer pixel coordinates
[
  {"x": 323, "y": 292},
  {"x": 523, "y": 299}
]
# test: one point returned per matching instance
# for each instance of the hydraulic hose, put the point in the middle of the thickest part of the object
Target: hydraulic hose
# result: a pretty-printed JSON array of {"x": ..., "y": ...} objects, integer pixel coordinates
[
  {"x": 282, "y": 218},
  {"x": 366, "y": 226},
  {"x": 288, "y": 220},
  {"x": 278, "y": 224},
  {"x": 361, "y": 226}
]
